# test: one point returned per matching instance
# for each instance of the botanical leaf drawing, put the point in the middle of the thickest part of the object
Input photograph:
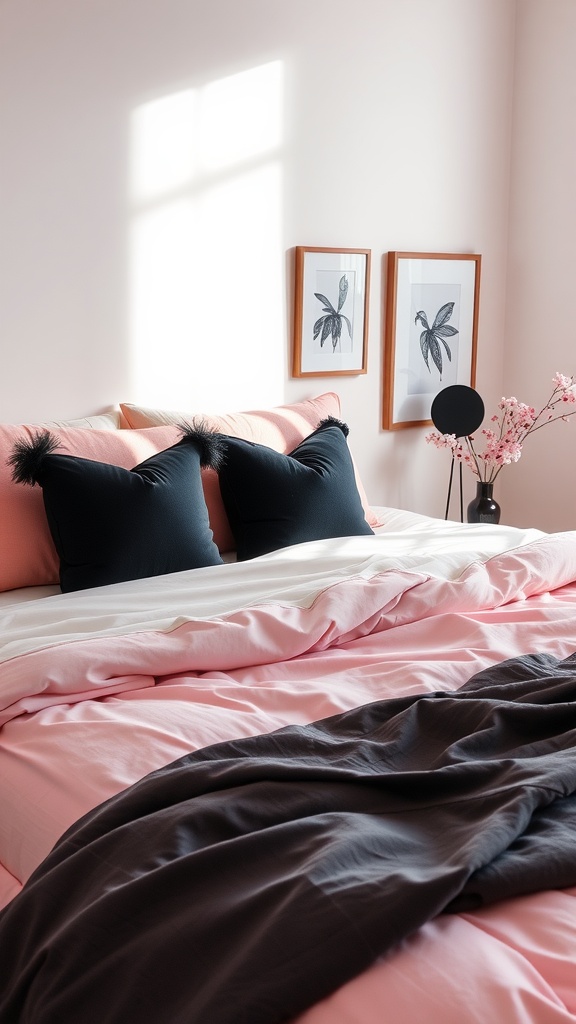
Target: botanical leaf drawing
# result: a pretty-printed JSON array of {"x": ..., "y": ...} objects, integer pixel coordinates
[
  {"x": 432, "y": 336},
  {"x": 331, "y": 323}
]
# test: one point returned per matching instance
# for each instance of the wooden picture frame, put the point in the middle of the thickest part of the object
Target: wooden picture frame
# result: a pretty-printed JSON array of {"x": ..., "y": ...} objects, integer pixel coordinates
[
  {"x": 430, "y": 331},
  {"x": 331, "y": 294}
]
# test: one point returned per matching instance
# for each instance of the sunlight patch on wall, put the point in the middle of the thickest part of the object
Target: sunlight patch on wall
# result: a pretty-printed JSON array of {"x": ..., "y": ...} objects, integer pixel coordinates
[
  {"x": 163, "y": 147},
  {"x": 207, "y": 319},
  {"x": 240, "y": 116}
]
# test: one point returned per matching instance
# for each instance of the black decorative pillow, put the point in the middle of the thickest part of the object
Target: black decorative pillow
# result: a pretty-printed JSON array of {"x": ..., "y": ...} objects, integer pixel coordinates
[
  {"x": 275, "y": 500},
  {"x": 111, "y": 524}
]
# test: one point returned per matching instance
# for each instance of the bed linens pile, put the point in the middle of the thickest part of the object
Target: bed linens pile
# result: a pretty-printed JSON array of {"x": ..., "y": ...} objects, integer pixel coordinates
[{"x": 102, "y": 687}]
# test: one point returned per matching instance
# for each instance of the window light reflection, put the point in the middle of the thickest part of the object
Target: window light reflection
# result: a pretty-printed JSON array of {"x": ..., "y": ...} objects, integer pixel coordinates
[{"x": 206, "y": 256}]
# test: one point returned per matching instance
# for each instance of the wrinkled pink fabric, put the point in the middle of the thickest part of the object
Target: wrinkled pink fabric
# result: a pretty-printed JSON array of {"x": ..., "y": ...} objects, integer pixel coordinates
[{"x": 137, "y": 677}]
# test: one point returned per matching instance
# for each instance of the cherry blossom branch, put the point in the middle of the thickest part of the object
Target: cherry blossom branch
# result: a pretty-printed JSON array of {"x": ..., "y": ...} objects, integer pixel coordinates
[{"x": 515, "y": 422}]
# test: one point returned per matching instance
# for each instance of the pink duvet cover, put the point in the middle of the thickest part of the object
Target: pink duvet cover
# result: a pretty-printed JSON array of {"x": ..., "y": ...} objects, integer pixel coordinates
[{"x": 100, "y": 687}]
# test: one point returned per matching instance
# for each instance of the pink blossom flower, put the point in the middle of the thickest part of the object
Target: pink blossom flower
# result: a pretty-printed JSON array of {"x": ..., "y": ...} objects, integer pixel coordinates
[{"x": 516, "y": 421}]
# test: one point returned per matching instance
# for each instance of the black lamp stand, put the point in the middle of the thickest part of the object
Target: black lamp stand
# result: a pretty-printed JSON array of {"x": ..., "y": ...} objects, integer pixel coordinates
[{"x": 457, "y": 410}]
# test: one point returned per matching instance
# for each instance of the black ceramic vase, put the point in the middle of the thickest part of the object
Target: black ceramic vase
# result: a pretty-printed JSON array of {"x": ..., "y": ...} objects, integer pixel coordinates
[{"x": 483, "y": 508}]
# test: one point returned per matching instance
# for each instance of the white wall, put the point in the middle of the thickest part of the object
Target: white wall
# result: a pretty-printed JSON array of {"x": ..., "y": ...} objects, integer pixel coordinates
[
  {"x": 540, "y": 336},
  {"x": 144, "y": 257}
]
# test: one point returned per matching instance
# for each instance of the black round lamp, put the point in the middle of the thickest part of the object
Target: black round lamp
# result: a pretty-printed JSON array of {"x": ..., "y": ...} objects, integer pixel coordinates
[{"x": 457, "y": 410}]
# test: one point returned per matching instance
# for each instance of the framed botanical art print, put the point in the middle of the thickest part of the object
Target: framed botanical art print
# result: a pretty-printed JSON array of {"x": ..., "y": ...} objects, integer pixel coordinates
[
  {"x": 430, "y": 333},
  {"x": 330, "y": 311}
]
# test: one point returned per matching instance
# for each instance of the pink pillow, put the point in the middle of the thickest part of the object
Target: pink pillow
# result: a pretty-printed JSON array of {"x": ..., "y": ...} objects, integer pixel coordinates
[
  {"x": 27, "y": 555},
  {"x": 281, "y": 428}
]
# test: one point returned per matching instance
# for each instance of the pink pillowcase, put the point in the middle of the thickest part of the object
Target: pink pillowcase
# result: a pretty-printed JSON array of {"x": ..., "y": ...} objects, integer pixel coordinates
[
  {"x": 27, "y": 555},
  {"x": 281, "y": 428}
]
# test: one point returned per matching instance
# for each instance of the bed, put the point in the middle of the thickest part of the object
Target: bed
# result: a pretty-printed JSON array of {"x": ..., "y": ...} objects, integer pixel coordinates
[{"x": 328, "y": 783}]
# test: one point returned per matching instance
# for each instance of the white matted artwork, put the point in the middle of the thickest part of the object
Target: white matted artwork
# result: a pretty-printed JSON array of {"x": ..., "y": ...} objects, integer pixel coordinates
[
  {"x": 330, "y": 311},
  {"x": 431, "y": 329}
]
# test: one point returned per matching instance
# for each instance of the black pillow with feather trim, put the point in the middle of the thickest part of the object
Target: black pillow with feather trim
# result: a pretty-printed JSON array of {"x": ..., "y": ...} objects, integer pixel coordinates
[
  {"x": 111, "y": 524},
  {"x": 274, "y": 500}
]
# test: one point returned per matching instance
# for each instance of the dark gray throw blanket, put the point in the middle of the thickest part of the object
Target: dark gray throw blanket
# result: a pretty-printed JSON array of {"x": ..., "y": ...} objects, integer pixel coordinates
[{"x": 244, "y": 882}]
